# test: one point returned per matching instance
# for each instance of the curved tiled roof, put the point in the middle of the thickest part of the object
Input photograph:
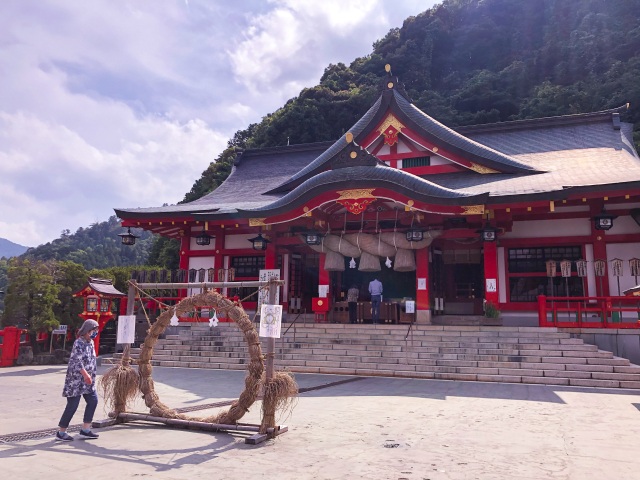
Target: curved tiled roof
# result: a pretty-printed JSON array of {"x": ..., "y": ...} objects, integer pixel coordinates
[{"x": 371, "y": 177}]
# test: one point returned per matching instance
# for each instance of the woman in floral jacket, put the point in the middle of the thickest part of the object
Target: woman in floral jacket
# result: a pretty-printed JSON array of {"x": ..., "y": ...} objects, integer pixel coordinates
[{"x": 80, "y": 382}]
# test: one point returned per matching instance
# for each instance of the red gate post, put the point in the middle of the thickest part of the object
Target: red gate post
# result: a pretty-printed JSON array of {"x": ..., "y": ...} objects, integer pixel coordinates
[
  {"x": 542, "y": 310},
  {"x": 10, "y": 346}
]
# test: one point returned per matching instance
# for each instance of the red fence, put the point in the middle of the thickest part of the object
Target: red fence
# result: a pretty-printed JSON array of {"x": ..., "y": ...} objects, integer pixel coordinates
[{"x": 589, "y": 312}]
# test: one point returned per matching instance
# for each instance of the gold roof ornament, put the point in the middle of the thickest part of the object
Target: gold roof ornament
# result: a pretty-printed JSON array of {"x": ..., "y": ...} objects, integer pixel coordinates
[
  {"x": 387, "y": 68},
  {"x": 256, "y": 222},
  {"x": 481, "y": 169},
  {"x": 349, "y": 137},
  {"x": 473, "y": 210}
]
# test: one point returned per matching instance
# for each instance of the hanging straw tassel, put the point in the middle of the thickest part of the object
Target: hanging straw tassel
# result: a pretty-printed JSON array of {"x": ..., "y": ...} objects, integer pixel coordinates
[
  {"x": 369, "y": 263},
  {"x": 333, "y": 262},
  {"x": 120, "y": 384},
  {"x": 405, "y": 261}
]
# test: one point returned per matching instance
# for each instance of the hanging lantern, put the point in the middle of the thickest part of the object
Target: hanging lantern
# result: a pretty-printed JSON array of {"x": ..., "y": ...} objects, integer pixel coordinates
[
  {"x": 259, "y": 242},
  {"x": 414, "y": 235},
  {"x": 128, "y": 238},
  {"x": 203, "y": 239},
  {"x": 313, "y": 238},
  {"x": 603, "y": 221}
]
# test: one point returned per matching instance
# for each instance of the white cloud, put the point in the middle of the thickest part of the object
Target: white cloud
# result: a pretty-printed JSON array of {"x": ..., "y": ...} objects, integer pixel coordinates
[{"x": 123, "y": 103}]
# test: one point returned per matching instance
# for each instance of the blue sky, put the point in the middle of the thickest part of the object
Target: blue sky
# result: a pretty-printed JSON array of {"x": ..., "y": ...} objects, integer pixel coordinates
[{"x": 123, "y": 103}]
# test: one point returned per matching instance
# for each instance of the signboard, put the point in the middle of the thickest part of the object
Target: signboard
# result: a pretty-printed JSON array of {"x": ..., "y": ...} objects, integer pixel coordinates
[
  {"x": 126, "y": 329},
  {"x": 491, "y": 285},
  {"x": 263, "y": 293},
  {"x": 323, "y": 291},
  {"x": 270, "y": 321},
  {"x": 422, "y": 284},
  {"x": 410, "y": 306},
  {"x": 61, "y": 330}
]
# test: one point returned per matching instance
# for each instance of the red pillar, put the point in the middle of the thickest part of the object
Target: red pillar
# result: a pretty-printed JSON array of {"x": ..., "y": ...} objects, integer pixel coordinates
[
  {"x": 491, "y": 272},
  {"x": 599, "y": 240},
  {"x": 323, "y": 275},
  {"x": 270, "y": 257},
  {"x": 422, "y": 272}
]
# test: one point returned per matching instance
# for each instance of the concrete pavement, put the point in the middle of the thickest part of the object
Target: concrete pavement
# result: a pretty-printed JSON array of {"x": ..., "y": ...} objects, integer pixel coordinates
[{"x": 373, "y": 428}]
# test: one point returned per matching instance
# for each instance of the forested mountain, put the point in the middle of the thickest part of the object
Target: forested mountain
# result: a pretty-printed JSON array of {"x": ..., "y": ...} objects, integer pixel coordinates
[
  {"x": 462, "y": 62},
  {"x": 97, "y": 246},
  {"x": 9, "y": 249},
  {"x": 472, "y": 61}
]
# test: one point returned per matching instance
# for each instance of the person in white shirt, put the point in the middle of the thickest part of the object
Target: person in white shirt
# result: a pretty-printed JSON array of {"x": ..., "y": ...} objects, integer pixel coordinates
[{"x": 375, "y": 289}]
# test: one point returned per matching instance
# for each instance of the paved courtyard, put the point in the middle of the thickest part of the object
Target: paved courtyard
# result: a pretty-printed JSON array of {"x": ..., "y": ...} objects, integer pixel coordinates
[{"x": 373, "y": 428}]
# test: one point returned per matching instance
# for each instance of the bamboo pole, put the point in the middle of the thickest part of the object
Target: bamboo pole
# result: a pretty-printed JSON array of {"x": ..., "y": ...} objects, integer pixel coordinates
[
  {"x": 167, "y": 286},
  {"x": 192, "y": 424}
]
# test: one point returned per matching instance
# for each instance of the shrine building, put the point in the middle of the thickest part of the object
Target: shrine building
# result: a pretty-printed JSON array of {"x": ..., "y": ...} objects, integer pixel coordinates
[{"x": 448, "y": 218}]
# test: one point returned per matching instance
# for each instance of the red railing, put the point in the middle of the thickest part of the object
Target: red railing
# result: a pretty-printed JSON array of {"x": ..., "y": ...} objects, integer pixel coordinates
[{"x": 589, "y": 312}]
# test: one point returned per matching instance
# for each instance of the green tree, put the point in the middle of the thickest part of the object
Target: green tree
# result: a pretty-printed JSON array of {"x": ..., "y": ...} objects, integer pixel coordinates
[{"x": 31, "y": 297}]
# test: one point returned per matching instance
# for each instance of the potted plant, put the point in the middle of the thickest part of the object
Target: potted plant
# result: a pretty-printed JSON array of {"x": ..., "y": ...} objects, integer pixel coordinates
[{"x": 491, "y": 310}]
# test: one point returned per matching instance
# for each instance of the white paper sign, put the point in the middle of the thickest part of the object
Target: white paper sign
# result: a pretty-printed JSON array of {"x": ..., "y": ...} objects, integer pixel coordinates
[
  {"x": 61, "y": 330},
  {"x": 270, "y": 321},
  {"x": 263, "y": 294},
  {"x": 323, "y": 291},
  {"x": 491, "y": 285},
  {"x": 126, "y": 329},
  {"x": 410, "y": 306},
  {"x": 422, "y": 284}
]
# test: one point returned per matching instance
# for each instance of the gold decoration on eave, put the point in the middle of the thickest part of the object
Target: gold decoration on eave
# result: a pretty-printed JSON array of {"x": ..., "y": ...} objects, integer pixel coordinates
[
  {"x": 256, "y": 222},
  {"x": 356, "y": 193},
  {"x": 473, "y": 210},
  {"x": 482, "y": 169},
  {"x": 390, "y": 121}
]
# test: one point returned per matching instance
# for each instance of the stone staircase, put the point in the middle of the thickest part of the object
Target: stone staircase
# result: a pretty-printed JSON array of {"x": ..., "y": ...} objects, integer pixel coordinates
[{"x": 531, "y": 355}]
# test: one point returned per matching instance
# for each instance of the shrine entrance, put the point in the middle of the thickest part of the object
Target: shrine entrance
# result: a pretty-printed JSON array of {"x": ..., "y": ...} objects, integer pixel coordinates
[{"x": 457, "y": 273}]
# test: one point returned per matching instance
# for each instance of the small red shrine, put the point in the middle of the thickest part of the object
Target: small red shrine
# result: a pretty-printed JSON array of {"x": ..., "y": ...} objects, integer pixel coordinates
[{"x": 98, "y": 303}]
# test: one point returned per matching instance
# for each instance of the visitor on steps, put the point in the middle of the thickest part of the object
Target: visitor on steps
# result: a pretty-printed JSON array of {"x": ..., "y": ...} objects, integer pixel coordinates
[
  {"x": 375, "y": 289},
  {"x": 80, "y": 382},
  {"x": 352, "y": 299}
]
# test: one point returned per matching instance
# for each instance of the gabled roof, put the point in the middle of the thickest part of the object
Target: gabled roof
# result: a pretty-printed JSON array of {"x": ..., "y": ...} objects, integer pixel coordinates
[{"x": 540, "y": 158}]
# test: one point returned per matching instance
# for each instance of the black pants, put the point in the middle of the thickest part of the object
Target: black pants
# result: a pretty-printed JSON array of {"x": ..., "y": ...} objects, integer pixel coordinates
[
  {"x": 72, "y": 406},
  {"x": 375, "y": 308},
  {"x": 353, "y": 312}
]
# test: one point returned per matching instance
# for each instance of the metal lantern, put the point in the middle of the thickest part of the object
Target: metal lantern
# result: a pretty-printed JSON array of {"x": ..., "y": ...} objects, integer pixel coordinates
[
  {"x": 203, "y": 239},
  {"x": 259, "y": 242},
  {"x": 603, "y": 221},
  {"x": 634, "y": 266},
  {"x": 128, "y": 238},
  {"x": 313, "y": 238},
  {"x": 414, "y": 235},
  {"x": 489, "y": 233},
  {"x": 616, "y": 267}
]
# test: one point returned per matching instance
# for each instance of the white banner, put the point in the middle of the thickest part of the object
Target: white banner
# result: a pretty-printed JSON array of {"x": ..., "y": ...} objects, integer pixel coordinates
[
  {"x": 126, "y": 329},
  {"x": 263, "y": 293},
  {"x": 270, "y": 321}
]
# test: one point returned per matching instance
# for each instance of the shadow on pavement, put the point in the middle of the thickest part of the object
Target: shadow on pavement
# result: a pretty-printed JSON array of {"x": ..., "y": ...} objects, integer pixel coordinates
[{"x": 221, "y": 442}]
